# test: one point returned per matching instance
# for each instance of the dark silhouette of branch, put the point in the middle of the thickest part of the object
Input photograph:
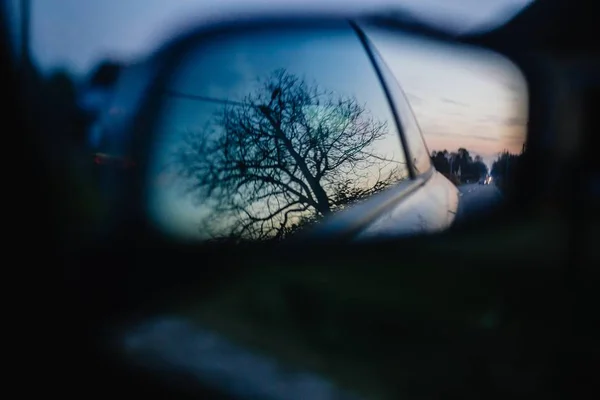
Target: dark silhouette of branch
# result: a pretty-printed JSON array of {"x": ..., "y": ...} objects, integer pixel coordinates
[{"x": 288, "y": 153}]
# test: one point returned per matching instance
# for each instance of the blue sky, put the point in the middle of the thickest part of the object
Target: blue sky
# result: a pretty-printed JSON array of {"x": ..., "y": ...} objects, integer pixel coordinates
[{"x": 78, "y": 33}]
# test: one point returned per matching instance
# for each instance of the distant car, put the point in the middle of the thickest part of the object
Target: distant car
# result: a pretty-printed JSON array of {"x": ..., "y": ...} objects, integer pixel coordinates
[{"x": 485, "y": 181}]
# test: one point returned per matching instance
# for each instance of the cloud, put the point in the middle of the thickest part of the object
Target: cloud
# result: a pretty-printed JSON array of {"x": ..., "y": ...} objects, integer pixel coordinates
[
  {"x": 414, "y": 99},
  {"x": 508, "y": 122},
  {"x": 450, "y": 101},
  {"x": 480, "y": 137},
  {"x": 434, "y": 133},
  {"x": 514, "y": 121},
  {"x": 515, "y": 140},
  {"x": 515, "y": 137}
]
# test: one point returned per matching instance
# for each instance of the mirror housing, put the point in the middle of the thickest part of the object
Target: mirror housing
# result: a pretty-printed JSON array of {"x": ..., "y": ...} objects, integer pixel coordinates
[{"x": 165, "y": 65}]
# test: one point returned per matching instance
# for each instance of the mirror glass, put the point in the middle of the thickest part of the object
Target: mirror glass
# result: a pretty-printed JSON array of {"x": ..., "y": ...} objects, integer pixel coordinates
[{"x": 268, "y": 133}]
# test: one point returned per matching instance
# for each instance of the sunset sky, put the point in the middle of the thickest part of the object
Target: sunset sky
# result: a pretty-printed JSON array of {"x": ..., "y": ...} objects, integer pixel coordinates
[{"x": 462, "y": 97}]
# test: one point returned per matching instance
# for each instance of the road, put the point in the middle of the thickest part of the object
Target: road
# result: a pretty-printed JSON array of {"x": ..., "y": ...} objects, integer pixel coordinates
[
  {"x": 181, "y": 350},
  {"x": 476, "y": 199}
]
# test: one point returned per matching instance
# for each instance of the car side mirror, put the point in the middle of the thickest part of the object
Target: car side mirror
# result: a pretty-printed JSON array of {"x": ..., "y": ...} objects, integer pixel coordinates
[{"x": 323, "y": 129}]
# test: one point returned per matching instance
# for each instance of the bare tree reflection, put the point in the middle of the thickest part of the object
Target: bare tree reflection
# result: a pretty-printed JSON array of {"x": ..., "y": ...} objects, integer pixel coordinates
[{"x": 286, "y": 156}]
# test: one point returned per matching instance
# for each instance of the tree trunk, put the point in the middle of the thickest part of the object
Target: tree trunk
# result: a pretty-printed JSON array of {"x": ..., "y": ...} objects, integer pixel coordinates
[{"x": 320, "y": 194}]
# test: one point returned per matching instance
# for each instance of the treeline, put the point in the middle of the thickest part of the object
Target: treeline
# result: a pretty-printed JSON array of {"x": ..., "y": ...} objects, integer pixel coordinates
[
  {"x": 505, "y": 169},
  {"x": 459, "y": 166}
]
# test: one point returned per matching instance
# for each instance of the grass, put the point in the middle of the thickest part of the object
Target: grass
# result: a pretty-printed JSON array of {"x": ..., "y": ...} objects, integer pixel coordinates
[{"x": 403, "y": 327}]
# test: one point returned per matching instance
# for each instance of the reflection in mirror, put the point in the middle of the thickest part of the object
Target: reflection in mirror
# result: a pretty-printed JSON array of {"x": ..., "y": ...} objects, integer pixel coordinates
[
  {"x": 471, "y": 105},
  {"x": 265, "y": 134}
]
